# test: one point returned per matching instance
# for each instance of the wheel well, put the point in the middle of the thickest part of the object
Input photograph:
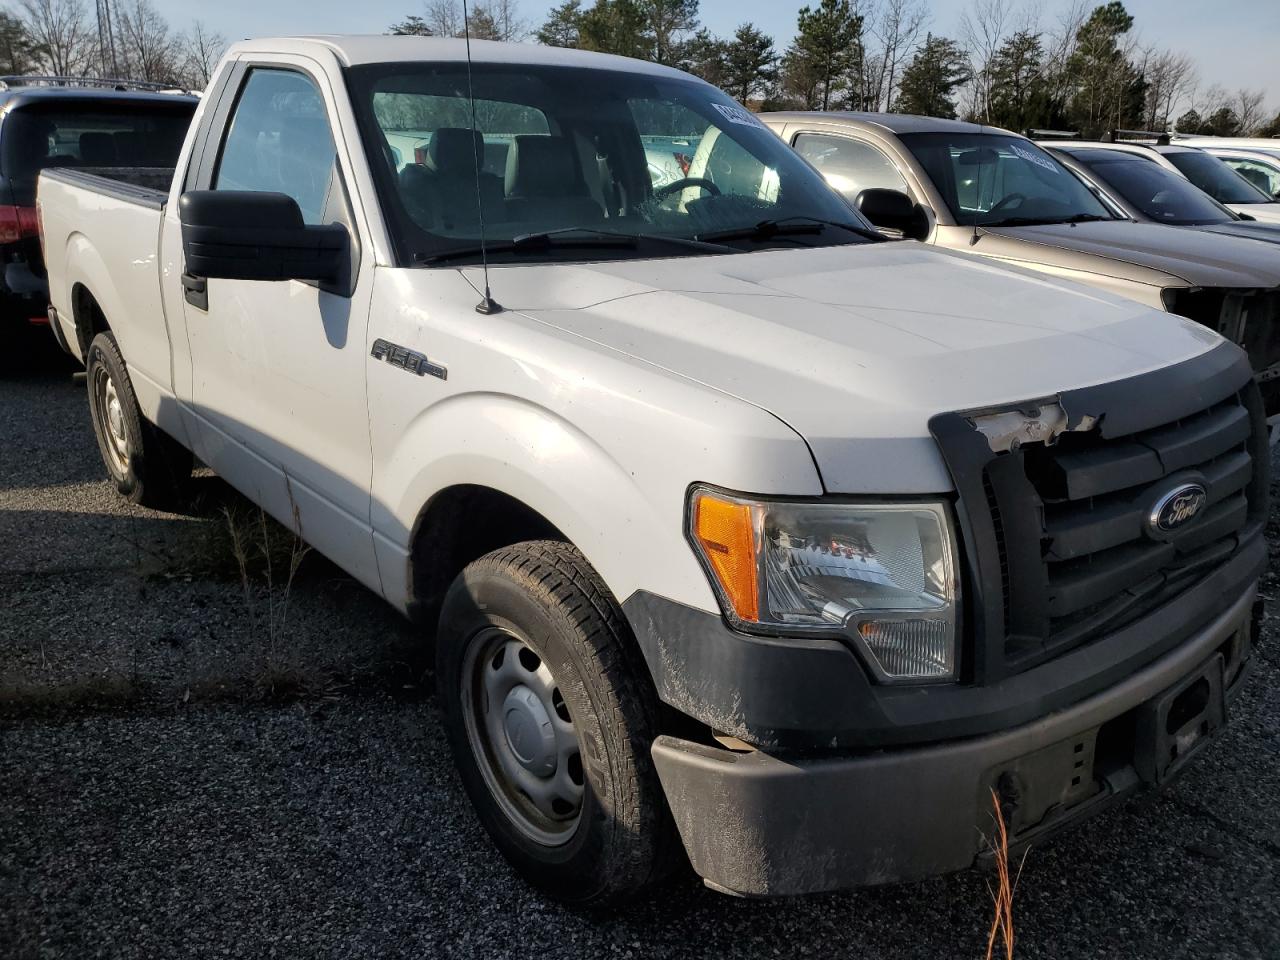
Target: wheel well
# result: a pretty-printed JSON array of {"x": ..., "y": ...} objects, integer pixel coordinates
[
  {"x": 89, "y": 318},
  {"x": 461, "y": 524}
]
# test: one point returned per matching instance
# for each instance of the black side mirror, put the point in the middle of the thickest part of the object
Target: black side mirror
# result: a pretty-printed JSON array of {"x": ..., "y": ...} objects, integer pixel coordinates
[
  {"x": 892, "y": 210},
  {"x": 246, "y": 235}
]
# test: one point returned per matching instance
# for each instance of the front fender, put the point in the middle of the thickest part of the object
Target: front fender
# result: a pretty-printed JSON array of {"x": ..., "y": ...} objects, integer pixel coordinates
[{"x": 540, "y": 459}]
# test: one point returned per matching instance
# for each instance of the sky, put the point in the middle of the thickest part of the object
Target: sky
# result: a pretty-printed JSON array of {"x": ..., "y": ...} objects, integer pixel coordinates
[{"x": 1237, "y": 45}]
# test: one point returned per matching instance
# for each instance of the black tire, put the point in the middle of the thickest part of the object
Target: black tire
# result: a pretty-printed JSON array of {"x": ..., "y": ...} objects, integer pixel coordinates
[
  {"x": 546, "y": 595},
  {"x": 150, "y": 468}
]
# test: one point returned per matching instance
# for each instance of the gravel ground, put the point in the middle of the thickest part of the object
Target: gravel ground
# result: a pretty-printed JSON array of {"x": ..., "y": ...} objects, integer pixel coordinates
[{"x": 162, "y": 796}]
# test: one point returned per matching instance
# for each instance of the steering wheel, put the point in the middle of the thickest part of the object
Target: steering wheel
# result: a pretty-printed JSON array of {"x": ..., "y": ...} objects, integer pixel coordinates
[
  {"x": 661, "y": 193},
  {"x": 1005, "y": 201}
]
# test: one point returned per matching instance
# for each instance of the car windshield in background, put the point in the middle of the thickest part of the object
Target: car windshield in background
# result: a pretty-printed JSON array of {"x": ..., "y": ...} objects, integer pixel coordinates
[
  {"x": 1215, "y": 178},
  {"x": 59, "y": 133},
  {"x": 996, "y": 180},
  {"x": 1158, "y": 193},
  {"x": 577, "y": 163}
]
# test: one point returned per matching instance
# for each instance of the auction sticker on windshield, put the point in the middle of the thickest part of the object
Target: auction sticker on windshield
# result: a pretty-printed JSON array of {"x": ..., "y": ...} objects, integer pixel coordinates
[
  {"x": 1035, "y": 158},
  {"x": 738, "y": 115}
]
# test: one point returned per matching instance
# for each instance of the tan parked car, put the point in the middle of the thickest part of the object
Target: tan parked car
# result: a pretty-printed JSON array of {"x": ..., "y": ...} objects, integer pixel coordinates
[{"x": 993, "y": 193}]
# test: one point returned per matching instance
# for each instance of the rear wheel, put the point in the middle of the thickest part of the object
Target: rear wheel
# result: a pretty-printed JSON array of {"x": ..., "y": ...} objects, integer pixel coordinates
[
  {"x": 550, "y": 719},
  {"x": 147, "y": 465}
]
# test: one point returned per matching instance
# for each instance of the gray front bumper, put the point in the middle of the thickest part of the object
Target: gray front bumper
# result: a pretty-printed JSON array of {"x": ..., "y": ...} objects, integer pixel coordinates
[{"x": 767, "y": 825}]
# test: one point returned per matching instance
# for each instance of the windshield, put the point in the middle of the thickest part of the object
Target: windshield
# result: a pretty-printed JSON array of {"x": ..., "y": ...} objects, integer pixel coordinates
[
  {"x": 592, "y": 153},
  {"x": 1215, "y": 178},
  {"x": 1158, "y": 193},
  {"x": 995, "y": 179}
]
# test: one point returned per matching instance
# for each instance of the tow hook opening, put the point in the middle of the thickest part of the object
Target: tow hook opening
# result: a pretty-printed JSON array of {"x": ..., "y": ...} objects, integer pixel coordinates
[{"x": 1188, "y": 705}]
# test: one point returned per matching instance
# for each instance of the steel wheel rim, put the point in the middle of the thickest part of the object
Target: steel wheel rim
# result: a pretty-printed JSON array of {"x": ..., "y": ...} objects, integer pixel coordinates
[
  {"x": 111, "y": 416},
  {"x": 522, "y": 736}
]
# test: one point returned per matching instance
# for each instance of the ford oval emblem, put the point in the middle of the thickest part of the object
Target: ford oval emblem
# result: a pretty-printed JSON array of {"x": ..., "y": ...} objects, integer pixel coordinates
[{"x": 1177, "y": 508}]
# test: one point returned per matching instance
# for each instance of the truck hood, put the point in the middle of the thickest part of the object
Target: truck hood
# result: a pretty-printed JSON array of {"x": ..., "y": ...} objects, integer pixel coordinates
[
  {"x": 1107, "y": 247},
  {"x": 856, "y": 347},
  {"x": 1250, "y": 230}
]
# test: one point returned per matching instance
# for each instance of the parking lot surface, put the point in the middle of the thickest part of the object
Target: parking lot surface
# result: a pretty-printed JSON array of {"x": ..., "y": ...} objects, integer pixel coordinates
[{"x": 198, "y": 759}]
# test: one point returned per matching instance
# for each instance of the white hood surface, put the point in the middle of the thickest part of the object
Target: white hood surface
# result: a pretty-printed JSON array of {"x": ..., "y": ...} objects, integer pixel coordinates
[{"x": 856, "y": 347}]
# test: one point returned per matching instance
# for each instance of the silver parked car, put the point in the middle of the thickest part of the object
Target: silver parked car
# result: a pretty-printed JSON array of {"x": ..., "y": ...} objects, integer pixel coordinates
[{"x": 993, "y": 193}]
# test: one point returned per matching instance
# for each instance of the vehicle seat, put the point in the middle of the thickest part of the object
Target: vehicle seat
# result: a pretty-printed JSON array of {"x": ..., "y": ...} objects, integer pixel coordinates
[
  {"x": 445, "y": 183},
  {"x": 544, "y": 183},
  {"x": 97, "y": 147}
]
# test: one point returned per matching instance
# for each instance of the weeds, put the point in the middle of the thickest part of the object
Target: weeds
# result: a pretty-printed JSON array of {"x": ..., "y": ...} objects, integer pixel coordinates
[
  {"x": 279, "y": 674},
  {"x": 1006, "y": 886}
]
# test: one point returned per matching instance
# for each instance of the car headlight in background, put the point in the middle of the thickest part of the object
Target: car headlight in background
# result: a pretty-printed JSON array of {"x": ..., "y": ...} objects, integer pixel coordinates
[{"x": 882, "y": 574}]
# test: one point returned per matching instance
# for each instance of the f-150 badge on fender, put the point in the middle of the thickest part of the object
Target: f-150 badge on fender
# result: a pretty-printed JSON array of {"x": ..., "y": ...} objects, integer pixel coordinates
[{"x": 407, "y": 359}]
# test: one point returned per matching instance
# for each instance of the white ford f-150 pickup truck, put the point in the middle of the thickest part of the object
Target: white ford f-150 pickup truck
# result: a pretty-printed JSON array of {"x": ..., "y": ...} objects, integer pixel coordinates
[{"x": 736, "y": 526}]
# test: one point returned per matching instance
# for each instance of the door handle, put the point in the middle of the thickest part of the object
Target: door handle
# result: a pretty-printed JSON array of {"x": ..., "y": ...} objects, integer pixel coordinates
[{"x": 195, "y": 290}]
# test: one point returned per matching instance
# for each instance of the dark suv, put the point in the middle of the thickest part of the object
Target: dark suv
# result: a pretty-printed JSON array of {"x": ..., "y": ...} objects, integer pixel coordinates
[{"x": 59, "y": 122}]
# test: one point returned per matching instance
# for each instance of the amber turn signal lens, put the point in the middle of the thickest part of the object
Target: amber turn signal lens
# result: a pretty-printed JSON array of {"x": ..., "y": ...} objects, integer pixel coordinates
[{"x": 725, "y": 531}]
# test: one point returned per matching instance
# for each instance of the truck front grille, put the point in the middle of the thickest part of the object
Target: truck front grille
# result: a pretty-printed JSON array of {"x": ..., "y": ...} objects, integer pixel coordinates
[
  {"x": 1058, "y": 544},
  {"x": 1101, "y": 567}
]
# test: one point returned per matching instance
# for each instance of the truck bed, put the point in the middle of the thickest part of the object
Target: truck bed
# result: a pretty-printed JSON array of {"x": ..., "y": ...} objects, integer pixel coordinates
[
  {"x": 101, "y": 239},
  {"x": 148, "y": 186}
]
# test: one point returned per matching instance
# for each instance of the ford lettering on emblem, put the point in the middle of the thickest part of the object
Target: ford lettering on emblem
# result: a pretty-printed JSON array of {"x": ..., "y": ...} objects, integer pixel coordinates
[{"x": 1176, "y": 508}]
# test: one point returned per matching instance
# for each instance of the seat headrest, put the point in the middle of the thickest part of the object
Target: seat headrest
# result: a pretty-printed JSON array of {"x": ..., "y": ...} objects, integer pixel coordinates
[
  {"x": 452, "y": 151},
  {"x": 542, "y": 167},
  {"x": 97, "y": 147}
]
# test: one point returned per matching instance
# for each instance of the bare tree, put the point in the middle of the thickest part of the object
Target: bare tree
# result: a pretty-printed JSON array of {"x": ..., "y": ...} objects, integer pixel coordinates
[
  {"x": 444, "y": 17},
  {"x": 200, "y": 51},
  {"x": 896, "y": 30},
  {"x": 506, "y": 17},
  {"x": 1170, "y": 79},
  {"x": 493, "y": 20},
  {"x": 66, "y": 40},
  {"x": 147, "y": 49},
  {"x": 1061, "y": 47},
  {"x": 1249, "y": 108},
  {"x": 983, "y": 30}
]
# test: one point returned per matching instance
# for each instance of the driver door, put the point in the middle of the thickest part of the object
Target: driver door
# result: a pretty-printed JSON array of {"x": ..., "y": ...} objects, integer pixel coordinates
[{"x": 278, "y": 368}]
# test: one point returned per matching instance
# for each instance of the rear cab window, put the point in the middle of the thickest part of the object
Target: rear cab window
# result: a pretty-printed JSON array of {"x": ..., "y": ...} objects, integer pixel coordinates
[{"x": 84, "y": 133}]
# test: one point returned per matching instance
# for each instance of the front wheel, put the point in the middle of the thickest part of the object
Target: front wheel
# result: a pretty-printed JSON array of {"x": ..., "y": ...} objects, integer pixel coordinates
[
  {"x": 146, "y": 465},
  {"x": 550, "y": 720}
]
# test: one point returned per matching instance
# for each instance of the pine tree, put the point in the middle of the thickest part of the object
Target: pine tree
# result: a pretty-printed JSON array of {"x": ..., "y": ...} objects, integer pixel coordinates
[
  {"x": 1109, "y": 90},
  {"x": 410, "y": 26},
  {"x": 751, "y": 64},
  {"x": 615, "y": 26},
  {"x": 824, "y": 55},
  {"x": 563, "y": 26},
  {"x": 938, "y": 69},
  {"x": 1020, "y": 92},
  {"x": 1189, "y": 122}
]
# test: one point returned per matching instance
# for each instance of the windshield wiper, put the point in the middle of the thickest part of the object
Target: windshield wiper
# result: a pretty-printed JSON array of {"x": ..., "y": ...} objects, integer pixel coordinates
[
  {"x": 796, "y": 226},
  {"x": 1043, "y": 221},
  {"x": 570, "y": 238},
  {"x": 688, "y": 243}
]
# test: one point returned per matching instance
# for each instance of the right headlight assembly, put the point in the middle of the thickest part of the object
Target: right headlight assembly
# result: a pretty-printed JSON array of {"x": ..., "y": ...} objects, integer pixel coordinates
[{"x": 882, "y": 574}]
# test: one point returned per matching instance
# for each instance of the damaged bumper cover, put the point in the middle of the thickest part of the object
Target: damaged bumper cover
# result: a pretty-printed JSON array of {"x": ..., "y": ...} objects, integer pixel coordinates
[{"x": 773, "y": 824}]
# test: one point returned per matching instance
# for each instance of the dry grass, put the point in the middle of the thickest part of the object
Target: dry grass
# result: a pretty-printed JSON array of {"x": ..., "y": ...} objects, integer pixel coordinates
[
  {"x": 1006, "y": 885},
  {"x": 280, "y": 671}
]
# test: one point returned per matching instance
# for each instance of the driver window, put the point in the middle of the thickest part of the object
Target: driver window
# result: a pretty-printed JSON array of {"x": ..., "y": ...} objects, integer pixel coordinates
[
  {"x": 280, "y": 141},
  {"x": 850, "y": 166}
]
